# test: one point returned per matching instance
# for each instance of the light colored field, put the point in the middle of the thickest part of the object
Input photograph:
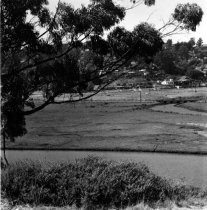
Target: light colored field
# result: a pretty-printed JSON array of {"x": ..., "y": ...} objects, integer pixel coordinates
[
  {"x": 115, "y": 125},
  {"x": 147, "y": 95},
  {"x": 196, "y": 108},
  {"x": 200, "y": 107}
]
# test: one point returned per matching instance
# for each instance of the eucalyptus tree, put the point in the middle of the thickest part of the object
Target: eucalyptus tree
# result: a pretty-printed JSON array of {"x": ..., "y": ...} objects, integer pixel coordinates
[{"x": 43, "y": 52}]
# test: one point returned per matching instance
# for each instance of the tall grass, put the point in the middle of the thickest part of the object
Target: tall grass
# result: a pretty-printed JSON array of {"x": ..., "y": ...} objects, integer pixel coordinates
[{"x": 91, "y": 182}]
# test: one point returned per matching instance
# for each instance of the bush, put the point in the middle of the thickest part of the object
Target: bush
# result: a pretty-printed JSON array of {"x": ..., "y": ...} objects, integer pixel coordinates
[{"x": 89, "y": 182}]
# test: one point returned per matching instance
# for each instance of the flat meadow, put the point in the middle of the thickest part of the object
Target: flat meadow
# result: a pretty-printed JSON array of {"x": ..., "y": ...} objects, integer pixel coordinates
[{"x": 118, "y": 121}]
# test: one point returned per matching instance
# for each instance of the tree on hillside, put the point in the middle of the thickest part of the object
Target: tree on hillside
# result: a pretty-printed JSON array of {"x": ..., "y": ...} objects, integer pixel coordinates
[
  {"x": 175, "y": 59},
  {"x": 195, "y": 75},
  {"x": 199, "y": 42},
  {"x": 191, "y": 43},
  {"x": 50, "y": 62},
  {"x": 165, "y": 60},
  {"x": 183, "y": 52},
  {"x": 169, "y": 44}
]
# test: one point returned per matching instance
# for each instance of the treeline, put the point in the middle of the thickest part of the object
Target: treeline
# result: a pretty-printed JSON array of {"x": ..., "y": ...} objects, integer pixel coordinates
[{"x": 181, "y": 58}]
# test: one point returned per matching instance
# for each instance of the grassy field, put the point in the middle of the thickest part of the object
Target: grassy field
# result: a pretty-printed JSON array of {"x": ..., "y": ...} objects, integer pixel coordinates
[
  {"x": 147, "y": 95},
  {"x": 117, "y": 121},
  {"x": 200, "y": 107}
]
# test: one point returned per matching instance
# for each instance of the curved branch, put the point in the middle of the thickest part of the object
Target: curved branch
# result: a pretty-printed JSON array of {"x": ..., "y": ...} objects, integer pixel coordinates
[
  {"x": 170, "y": 22},
  {"x": 109, "y": 65},
  {"x": 150, "y": 16},
  {"x": 52, "y": 98},
  {"x": 51, "y": 23},
  {"x": 42, "y": 106},
  {"x": 173, "y": 31},
  {"x": 91, "y": 95},
  {"x": 44, "y": 60},
  {"x": 114, "y": 66},
  {"x": 135, "y": 5},
  {"x": 80, "y": 99}
]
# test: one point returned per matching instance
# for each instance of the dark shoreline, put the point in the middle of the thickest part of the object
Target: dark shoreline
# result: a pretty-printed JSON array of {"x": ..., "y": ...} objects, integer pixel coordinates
[{"x": 200, "y": 153}]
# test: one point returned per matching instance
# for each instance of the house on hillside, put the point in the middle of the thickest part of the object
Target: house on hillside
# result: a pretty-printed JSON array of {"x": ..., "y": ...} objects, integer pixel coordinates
[
  {"x": 183, "y": 81},
  {"x": 144, "y": 72},
  {"x": 169, "y": 82}
]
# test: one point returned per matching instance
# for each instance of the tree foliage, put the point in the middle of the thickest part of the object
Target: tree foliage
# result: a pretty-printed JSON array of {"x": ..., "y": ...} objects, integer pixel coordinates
[
  {"x": 15, "y": 30},
  {"x": 188, "y": 14},
  {"x": 199, "y": 42},
  {"x": 70, "y": 53},
  {"x": 195, "y": 74},
  {"x": 181, "y": 58}
]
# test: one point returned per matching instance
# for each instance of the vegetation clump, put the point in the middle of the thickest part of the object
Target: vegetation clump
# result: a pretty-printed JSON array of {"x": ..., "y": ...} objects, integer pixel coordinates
[{"x": 90, "y": 183}]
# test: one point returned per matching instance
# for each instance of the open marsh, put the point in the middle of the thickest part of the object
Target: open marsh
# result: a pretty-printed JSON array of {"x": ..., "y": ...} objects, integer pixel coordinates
[{"x": 115, "y": 124}]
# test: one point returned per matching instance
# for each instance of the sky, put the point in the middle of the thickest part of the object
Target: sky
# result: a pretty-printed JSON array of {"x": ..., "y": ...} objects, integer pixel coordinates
[{"x": 154, "y": 15}]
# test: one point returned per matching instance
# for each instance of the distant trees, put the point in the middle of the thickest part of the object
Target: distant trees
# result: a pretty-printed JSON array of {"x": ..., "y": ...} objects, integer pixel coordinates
[
  {"x": 199, "y": 42},
  {"x": 165, "y": 60},
  {"x": 178, "y": 58},
  {"x": 56, "y": 61},
  {"x": 195, "y": 74},
  {"x": 168, "y": 44}
]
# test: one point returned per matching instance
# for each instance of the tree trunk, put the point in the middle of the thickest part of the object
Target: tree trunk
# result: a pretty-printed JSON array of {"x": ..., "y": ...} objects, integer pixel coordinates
[{"x": 4, "y": 150}]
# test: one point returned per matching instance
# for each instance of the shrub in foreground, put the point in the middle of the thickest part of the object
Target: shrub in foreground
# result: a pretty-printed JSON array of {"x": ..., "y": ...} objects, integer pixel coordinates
[{"x": 87, "y": 182}]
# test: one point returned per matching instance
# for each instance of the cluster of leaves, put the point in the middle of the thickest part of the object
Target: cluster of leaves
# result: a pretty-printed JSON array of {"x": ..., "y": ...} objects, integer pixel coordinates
[
  {"x": 188, "y": 14},
  {"x": 146, "y": 2},
  {"x": 97, "y": 17},
  {"x": 92, "y": 182},
  {"x": 15, "y": 30},
  {"x": 12, "y": 110},
  {"x": 45, "y": 64},
  {"x": 144, "y": 41}
]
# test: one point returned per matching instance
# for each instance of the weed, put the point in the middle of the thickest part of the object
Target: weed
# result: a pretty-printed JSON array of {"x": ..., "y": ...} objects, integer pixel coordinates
[{"x": 91, "y": 183}]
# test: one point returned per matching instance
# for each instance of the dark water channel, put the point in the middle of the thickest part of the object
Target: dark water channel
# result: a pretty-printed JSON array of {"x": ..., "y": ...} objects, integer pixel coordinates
[{"x": 189, "y": 168}]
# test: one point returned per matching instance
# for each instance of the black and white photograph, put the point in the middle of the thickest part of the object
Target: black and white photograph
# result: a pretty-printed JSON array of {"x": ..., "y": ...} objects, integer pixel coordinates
[{"x": 103, "y": 104}]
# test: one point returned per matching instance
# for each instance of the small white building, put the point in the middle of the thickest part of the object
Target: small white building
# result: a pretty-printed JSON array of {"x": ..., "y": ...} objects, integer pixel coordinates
[{"x": 167, "y": 82}]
